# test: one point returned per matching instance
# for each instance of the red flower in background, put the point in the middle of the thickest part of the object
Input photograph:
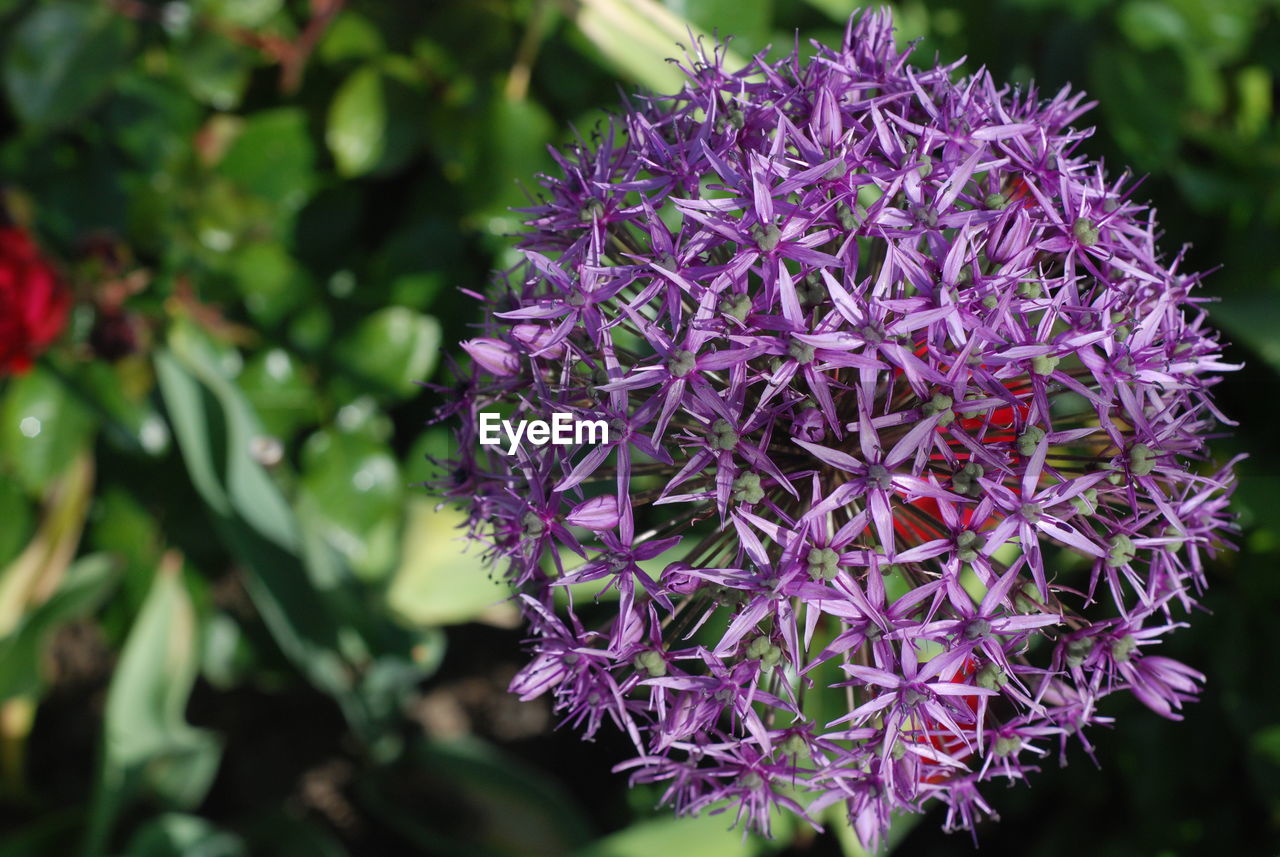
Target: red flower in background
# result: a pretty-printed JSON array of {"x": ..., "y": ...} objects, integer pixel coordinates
[{"x": 33, "y": 303}]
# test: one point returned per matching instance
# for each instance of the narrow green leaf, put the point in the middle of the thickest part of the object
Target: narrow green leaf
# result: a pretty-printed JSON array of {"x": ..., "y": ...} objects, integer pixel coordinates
[
  {"x": 153, "y": 679},
  {"x": 639, "y": 37},
  {"x": 836, "y": 10},
  {"x": 18, "y": 513},
  {"x": 84, "y": 587},
  {"x": 747, "y": 22},
  {"x": 307, "y": 599},
  {"x": 185, "y": 401},
  {"x": 147, "y": 744}
]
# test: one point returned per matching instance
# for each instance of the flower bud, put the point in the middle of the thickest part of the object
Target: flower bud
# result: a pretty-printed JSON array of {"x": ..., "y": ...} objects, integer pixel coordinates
[
  {"x": 494, "y": 355},
  {"x": 598, "y": 513}
]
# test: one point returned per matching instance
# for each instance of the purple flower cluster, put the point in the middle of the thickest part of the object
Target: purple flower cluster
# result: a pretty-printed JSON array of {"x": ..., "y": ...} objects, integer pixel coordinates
[{"x": 907, "y": 428}]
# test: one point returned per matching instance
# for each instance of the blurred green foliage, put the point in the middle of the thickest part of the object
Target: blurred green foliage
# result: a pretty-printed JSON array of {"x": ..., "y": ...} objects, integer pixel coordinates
[{"x": 230, "y": 621}]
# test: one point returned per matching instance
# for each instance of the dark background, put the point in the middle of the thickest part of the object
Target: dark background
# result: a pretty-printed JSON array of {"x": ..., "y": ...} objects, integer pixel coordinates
[{"x": 265, "y": 208}]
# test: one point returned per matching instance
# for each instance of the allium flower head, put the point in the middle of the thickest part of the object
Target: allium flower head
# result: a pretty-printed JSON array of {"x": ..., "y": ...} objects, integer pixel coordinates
[{"x": 906, "y": 470}]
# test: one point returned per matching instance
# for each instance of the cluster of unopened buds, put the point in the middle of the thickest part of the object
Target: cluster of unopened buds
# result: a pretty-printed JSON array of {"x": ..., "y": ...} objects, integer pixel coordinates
[{"x": 906, "y": 467}]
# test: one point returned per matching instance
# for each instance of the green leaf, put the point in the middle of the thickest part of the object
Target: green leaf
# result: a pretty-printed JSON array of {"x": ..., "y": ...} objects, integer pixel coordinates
[
  {"x": 61, "y": 58},
  {"x": 354, "y": 485},
  {"x": 356, "y": 130},
  {"x": 147, "y": 743},
  {"x": 245, "y": 13},
  {"x": 350, "y": 36},
  {"x": 273, "y": 157},
  {"x": 1254, "y": 87},
  {"x": 442, "y": 579},
  {"x": 226, "y": 655},
  {"x": 272, "y": 282},
  {"x": 1148, "y": 24},
  {"x": 637, "y": 37},
  {"x": 248, "y": 490},
  {"x": 496, "y": 806},
  {"x": 1266, "y": 743},
  {"x": 515, "y": 137},
  {"x": 52, "y": 832},
  {"x": 42, "y": 427},
  {"x": 22, "y": 651},
  {"x": 147, "y": 700},
  {"x": 393, "y": 349},
  {"x": 1141, "y": 95},
  {"x": 26, "y": 581},
  {"x": 899, "y": 826},
  {"x": 1252, "y": 320},
  {"x": 311, "y": 328},
  {"x": 276, "y": 386},
  {"x": 129, "y": 419},
  {"x": 836, "y": 10},
  {"x": 176, "y": 834},
  {"x": 363, "y": 415},
  {"x": 307, "y": 600},
  {"x": 748, "y": 22},
  {"x": 434, "y": 444},
  {"x": 292, "y": 607},
  {"x": 705, "y": 835},
  {"x": 281, "y": 835},
  {"x": 213, "y": 68},
  {"x": 19, "y": 517},
  {"x": 152, "y": 120},
  {"x": 416, "y": 259}
]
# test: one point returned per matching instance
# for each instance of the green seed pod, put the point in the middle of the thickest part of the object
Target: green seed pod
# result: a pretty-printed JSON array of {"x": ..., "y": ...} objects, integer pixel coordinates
[
  {"x": 824, "y": 563},
  {"x": 1142, "y": 460},
  {"x": 746, "y": 488},
  {"x": 1122, "y": 649},
  {"x": 1078, "y": 650},
  {"x": 1030, "y": 289},
  {"x": 651, "y": 662},
  {"x": 801, "y": 352},
  {"x": 1030, "y": 439},
  {"x": 991, "y": 677},
  {"x": 723, "y": 436},
  {"x": 1121, "y": 552},
  {"x": 681, "y": 363},
  {"x": 737, "y": 306},
  {"x": 1086, "y": 233},
  {"x": 1044, "y": 364}
]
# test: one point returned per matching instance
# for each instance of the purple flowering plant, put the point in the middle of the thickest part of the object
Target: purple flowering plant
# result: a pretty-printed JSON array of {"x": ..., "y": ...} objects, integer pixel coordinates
[{"x": 906, "y": 467}]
